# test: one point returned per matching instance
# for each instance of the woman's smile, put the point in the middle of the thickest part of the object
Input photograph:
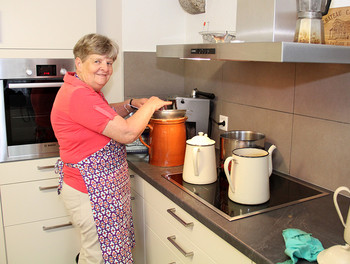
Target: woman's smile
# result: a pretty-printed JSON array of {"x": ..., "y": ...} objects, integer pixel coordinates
[{"x": 95, "y": 70}]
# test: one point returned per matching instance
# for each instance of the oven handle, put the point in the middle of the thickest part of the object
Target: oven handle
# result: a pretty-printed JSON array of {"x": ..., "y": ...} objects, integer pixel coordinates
[{"x": 35, "y": 85}]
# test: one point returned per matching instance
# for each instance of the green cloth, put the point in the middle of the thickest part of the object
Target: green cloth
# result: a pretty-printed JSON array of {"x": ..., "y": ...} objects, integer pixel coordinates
[{"x": 300, "y": 244}]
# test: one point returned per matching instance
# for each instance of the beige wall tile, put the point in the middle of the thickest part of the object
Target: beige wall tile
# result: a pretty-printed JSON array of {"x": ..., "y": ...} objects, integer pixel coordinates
[
  {"x": 301, "y": 108},
  {"x": 146, "y": 75},
  {"x": 320, "y": 152},
  {"x": 267, "y": 85},
  {"x": 206, "y": 76},
  {"x": 276, "y": 126},
  {"x": 322, "y": 90}
]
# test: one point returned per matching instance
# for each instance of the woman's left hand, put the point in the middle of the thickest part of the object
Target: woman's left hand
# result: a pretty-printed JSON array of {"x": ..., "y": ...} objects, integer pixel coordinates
[{"x": 138, "y": 102}]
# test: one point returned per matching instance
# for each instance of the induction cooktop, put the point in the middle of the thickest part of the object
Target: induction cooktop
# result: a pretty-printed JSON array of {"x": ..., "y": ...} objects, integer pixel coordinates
[{"x": 284, "y": 191}]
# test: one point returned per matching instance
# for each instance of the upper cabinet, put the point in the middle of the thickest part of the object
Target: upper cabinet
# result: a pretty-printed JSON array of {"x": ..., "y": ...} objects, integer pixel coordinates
[{"x": 44, "y": 25}]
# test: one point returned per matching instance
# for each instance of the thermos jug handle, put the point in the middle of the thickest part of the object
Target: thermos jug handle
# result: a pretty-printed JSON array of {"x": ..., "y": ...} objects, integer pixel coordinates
[
  {"x": 337, "y": 191},
  {"x": 227, "y": 173},
  {"x": 195, "y": 160}
]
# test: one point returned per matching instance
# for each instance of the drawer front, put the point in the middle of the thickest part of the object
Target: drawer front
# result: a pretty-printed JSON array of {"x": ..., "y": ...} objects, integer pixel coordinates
[
  {"x": 31, "y": 201},
  {"x": 29, "y": 243},
  {"x": 174, "y": 239},
  {"x": 223, "y": 252},
  {"x": 137, "y": 215},
  {"x": 30, "y": 170},
  {"x": 157, "y": 251},
  {"x": 136, "y": 182}
]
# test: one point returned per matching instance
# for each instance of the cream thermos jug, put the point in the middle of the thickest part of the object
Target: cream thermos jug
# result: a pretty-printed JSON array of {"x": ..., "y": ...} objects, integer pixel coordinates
[
  {"x": 338, "y": 254},
  {"x": 200, "y": 160},
  {"x": 249, "y": 176}
]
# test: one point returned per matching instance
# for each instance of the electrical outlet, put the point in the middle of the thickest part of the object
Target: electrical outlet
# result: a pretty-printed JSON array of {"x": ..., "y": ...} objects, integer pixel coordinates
[{"x": 225, "y": 126}]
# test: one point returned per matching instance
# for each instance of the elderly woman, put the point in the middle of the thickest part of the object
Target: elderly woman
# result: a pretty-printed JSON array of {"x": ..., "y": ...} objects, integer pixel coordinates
[{"x": 94, "y": 179}]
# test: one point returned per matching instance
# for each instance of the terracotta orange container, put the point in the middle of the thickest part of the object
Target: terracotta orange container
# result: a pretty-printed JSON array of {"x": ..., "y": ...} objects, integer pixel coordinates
[{"x": 167, "y": 142}]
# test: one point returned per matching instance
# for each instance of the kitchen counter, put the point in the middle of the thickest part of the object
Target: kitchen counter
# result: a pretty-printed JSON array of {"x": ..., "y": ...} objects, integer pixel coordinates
[{"x": 259, "y": 237}]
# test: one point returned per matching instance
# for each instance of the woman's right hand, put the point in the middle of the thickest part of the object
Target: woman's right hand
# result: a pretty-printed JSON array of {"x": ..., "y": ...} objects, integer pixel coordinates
[
  {"x": 157, "y": 103},
  {"x": 127, "y": 130}
]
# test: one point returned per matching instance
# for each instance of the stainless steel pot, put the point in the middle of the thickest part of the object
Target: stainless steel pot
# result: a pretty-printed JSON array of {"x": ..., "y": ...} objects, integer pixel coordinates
[
  {"x": 239, "y": 139},
  {"x": 169, "y": 114}
]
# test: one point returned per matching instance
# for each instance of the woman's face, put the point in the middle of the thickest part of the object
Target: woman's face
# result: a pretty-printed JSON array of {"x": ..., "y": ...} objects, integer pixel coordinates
[{"x": 95, "y": 70}]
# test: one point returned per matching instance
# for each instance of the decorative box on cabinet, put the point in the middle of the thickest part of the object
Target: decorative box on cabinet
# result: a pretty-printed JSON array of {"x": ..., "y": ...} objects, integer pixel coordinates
[
  {"x": 183, "y": 235},
  {"x": 137, "y": 205},
  {"x": 35, "y": 221}
]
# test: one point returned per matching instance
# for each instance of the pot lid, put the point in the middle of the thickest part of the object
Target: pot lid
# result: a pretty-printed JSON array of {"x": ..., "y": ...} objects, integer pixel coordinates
[{"x": 201, "y": 140}]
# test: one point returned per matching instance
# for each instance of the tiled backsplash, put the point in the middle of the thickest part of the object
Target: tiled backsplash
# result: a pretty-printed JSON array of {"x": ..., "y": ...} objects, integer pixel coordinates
[{"x": 304, "y": 109}]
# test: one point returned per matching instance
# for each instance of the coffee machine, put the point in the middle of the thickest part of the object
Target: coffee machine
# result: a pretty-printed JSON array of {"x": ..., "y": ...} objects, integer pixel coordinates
[{"x": 198, "y": 110}]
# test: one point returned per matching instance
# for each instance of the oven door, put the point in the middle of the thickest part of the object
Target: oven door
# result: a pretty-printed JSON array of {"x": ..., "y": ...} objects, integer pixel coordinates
[{"x": 25, "y": 113}]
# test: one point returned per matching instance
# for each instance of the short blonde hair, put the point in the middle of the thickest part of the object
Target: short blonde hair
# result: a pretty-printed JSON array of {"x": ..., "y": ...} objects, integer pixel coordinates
[{"x": 95, "y": 44}]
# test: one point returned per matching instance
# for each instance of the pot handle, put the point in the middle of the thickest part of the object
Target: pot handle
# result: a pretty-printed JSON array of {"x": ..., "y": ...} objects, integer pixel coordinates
[
  {"x": 227, "y": 173},
  {"x": 140, "y": 138},
  {"x": 335, "y": 195},
  {"x": 195, "y": 160}
]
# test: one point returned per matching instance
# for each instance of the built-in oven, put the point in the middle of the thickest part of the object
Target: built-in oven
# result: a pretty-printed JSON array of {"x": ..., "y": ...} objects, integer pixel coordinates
[{"x": 27, "y": 91}]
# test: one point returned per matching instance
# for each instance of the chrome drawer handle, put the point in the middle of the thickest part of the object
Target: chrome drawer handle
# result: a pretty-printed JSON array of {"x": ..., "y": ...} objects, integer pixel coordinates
[
  {"x": 172, "y": 211},
  {"x": 46, "y": 167},
  {"x": 46, "y": 228},
  {"x": 48, "y": 188},
  {"x": 132, "y": 176},
  {"x": 132, "y": 198},
  {"x": 172, "y": 241}
]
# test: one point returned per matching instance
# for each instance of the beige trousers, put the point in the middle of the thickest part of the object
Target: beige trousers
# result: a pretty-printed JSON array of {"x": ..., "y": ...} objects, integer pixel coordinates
[{"x": 79, "y": 207}]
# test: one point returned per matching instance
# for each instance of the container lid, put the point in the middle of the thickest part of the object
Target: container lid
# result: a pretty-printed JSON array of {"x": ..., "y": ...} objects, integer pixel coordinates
[{"x": 200, "y": 140}]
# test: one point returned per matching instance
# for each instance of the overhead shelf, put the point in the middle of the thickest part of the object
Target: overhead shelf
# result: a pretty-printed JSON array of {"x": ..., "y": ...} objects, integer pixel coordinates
[{"x": 258, "y": 51}]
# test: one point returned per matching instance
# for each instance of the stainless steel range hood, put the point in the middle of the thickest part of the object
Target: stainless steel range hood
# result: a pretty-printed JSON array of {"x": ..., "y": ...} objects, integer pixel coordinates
[{"x": 258, "y": 51}]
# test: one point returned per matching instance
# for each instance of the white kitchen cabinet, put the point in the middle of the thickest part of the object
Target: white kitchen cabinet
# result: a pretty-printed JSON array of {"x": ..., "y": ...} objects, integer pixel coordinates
[
  {"x": 157, "y": 251},
  {"x": 2, "y": 239},
  {"x": 165, "y": 219},
  {"x": 30, "y": 243},
  {"x": 137, "y": 205},
  {"x": 44, "y": 24},
  {"x": 36, "y": 225}
]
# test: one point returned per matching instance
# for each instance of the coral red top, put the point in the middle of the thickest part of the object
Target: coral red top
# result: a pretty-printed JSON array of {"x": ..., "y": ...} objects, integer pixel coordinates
[{"x": 79, "y": 115}]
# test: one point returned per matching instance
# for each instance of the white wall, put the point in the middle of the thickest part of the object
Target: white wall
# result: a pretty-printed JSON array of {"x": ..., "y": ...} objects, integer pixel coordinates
[
  {"x": 138, "y": 25},
  {"x": 221, "y": 15},
  {"x": 148, "y": 23},
  {"x": 109, "y": 23}
]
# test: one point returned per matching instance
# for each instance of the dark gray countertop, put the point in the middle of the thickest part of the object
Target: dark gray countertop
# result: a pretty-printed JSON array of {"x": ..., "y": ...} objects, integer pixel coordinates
[{"x": 259, "y": 237}]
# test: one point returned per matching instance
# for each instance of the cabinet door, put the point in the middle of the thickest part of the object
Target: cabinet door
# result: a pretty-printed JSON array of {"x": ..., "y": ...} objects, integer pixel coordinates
[
  {"x": 157, "y": 251},
  {"x": 2, "y": 239},
  {"x": 176, "y": 241},
  {"x": 29, "y": 243},
  {"x": 44, "y": 24},
  {"x": 138, "y": 251},
  {"x": 28, "y": 170},
  {"x": 31, "y": 201}
]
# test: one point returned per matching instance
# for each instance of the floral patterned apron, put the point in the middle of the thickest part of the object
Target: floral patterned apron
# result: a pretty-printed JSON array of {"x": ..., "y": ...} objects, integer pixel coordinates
[{"x": 106, "y": 176}]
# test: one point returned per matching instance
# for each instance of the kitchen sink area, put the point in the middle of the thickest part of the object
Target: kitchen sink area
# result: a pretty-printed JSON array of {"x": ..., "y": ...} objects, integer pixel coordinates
[{"x": 284, "y": 191}]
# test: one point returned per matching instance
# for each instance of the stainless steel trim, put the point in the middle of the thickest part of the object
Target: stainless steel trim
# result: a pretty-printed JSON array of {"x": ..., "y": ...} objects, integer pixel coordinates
[
  {"x": 17, "y": 68},
  {"x": 172, "y": 211},
  {"x": 47, "y": 228},
  {"x": 35, "y": 85},
  {"x": 3, "y": 136},
  {"x": 48, "y": 188},
  {"x": 260, "y": 51},
  {"x": 178, "y": 247},
  {"x": 31, "y": 151}
]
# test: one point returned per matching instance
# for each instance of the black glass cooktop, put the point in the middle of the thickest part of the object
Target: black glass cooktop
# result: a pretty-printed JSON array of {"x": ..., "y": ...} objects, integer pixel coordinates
[{"x": 284, "y": 191}]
